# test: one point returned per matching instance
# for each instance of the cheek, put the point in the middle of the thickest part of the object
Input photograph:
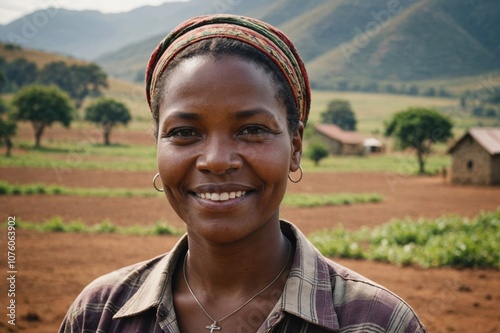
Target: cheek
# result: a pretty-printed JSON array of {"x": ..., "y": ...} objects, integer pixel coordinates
[
  {"x": 273, "y": 163},
  {"x": 172, "y": 165}
]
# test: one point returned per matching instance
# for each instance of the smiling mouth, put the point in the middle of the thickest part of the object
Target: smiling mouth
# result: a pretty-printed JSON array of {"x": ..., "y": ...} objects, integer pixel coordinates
[{"x": 222, "y": 196}]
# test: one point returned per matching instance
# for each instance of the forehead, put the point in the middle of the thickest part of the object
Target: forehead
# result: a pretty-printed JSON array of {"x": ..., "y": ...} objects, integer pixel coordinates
[
  {"x": 233, "y": 65},
  {"x": 231, "y": 81}
]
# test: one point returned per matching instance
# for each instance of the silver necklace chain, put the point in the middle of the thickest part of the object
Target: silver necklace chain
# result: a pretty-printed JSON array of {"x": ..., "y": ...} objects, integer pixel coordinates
[{"x": 215, "y": 326}]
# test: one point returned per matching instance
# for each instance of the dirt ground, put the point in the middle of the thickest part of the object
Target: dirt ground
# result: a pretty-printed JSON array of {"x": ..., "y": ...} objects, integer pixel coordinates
[{"x": 54, "y": 267}]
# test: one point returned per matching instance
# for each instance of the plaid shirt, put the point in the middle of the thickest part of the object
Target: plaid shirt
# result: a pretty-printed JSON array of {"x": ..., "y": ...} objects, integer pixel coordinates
[{"x": 319, "y": 296}]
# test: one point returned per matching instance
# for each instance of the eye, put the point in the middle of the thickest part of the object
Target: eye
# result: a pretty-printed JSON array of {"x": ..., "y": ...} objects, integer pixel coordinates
[
  {"x": 182, "y": 133},
  {"x": 254, "y": 130}
]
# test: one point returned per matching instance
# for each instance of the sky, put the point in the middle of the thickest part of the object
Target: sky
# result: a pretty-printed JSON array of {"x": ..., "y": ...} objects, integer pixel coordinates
[{"x": 11, "y": 10}]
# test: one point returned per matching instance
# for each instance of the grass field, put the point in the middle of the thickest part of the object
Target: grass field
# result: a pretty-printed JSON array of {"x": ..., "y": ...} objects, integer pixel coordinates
[
  {"x": 372, "y": 110},
  {"x": 67, "y": 155}
]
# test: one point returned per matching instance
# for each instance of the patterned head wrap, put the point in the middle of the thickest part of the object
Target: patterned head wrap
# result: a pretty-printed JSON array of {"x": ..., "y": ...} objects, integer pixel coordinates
[{"x": 268, "y": 39}]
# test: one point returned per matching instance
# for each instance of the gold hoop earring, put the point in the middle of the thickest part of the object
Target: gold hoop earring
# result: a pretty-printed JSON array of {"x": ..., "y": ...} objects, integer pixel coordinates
[
  {"x": 154, "y": 183},
  {"x": 300, "y": 178}
]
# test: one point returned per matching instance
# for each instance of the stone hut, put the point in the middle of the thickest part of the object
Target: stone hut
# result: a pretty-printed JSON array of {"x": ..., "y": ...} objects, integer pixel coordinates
[{"x": 476, "y": 157}]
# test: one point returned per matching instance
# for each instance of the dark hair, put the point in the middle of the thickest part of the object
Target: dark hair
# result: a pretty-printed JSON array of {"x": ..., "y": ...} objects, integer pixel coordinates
[{"x": 218, "y": 47}]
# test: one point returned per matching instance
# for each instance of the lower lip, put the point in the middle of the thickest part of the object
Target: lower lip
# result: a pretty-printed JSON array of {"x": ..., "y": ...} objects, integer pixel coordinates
[{"x": 220, "y": 205}]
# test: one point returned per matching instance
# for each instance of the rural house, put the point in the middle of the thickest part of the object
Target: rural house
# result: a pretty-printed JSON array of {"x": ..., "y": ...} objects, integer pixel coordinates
[
  {"x": 476, "y": 157},
  {"x": 340, "y": 142}
]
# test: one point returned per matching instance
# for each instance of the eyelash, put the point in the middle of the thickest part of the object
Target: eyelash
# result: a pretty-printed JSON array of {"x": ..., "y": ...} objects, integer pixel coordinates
[
  {"x": 260, "y": 129},
  {"x": 188, "y": 134},
  {"x": 178, "y": 132}
]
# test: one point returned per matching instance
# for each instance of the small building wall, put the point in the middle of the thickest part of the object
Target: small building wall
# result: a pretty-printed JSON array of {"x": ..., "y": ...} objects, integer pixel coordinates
[
  {"x": 336, "y": 147},
  {"x": 353, "y": 149},
  {"x": 495, "y": 170},
  {"x": 472, "y": 164}
]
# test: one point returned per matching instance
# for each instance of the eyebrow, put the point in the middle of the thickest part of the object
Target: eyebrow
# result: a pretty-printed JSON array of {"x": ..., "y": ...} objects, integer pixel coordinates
[
  {"x": 255, "y": 112},
  {"x": 244, "y": 114},
  {"x": 184, "y": 115}
]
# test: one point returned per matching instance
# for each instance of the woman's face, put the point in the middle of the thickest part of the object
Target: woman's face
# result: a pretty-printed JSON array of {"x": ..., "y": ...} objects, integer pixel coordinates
[{"x": 224, "y": 149}]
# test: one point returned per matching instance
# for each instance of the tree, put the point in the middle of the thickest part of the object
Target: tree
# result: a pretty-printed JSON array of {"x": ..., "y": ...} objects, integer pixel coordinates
[
  {"x": 20, "y": 73},
  {"x": 339, "y": 112},
  {"x": 316, "y": 151},
  {"x": 87, "y": 81},
  {"x": 8, "y": 128},
  {"x": 2, "y": 80},
  {"x": 58, "y": 73},
  {"x": 419, "y": 128},
  {"x": 107, "y": 113},
  {"x": 413, "y": 90},
  {"x": 43, "y": 106},
  {"x": 79, "y": 81}
]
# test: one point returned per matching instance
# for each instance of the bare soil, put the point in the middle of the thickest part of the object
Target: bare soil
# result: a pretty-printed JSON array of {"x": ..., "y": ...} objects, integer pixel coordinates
[{"x": 54, "y": 267}]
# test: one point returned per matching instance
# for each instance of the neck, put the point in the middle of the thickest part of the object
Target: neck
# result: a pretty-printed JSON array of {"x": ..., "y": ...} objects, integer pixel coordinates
[{"x": 241, "y": 268}]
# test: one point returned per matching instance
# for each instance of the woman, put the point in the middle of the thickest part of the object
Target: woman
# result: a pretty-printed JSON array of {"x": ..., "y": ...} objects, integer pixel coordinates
[{"x": 230, "y": 98}]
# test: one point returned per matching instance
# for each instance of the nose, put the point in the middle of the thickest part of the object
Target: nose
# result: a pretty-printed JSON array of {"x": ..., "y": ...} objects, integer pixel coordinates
[{"x": 219, "y": 156}]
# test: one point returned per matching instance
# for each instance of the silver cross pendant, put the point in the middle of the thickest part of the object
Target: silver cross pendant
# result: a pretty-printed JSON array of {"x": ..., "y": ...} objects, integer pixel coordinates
[{"x": 213, "y": 327}]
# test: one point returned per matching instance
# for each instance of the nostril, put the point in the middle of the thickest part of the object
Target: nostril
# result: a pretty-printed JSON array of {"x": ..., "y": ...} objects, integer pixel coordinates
[{"x": 219, "y": 161}]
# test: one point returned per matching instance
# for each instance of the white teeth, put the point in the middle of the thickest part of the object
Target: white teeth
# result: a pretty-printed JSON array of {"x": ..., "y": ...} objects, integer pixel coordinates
[{"x": 224, "y": 196}]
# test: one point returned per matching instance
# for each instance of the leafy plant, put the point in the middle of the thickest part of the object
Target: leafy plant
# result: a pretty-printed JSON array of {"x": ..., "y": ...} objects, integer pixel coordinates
[
  {"x": 315, "y": 200},
  {"x": 57, "y": 224},
  {"x": 445, "y": 241},
  {"x": 316, "y": 151}
]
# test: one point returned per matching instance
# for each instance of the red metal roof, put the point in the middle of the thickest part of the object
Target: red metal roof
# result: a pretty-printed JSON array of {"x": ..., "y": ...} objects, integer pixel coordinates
[{"x": 336, "y": 133}]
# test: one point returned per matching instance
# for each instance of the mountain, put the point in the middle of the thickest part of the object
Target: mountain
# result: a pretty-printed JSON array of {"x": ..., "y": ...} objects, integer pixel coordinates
[
  {"x": 88, "y": 34},
  {"x": 130, "y": 61},
  {"x": 429, "y": 40},
  {"x": 354, "y": 40}
]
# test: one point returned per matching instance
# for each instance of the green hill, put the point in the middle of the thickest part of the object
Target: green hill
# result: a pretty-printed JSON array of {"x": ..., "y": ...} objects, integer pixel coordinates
[{"x": 424, "y": 42}]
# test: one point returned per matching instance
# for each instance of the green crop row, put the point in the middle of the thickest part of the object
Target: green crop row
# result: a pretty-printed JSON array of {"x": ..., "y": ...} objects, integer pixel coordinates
[
  {"x": 57, "y": 224},
  {"x": 333, "y": 199},
  {"x": 32, "y": 189},
  {"x": 445, "y": 241},
  {"x": 296, "y": 200}
]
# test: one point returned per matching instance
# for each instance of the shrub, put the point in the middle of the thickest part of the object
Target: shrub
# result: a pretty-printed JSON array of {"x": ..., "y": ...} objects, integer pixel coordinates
[
  {"x": 445, "y": 241},
  {"x": 105, "y": 227}
]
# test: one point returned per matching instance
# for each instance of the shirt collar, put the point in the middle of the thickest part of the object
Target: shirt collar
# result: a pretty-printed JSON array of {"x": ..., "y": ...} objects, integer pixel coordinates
[
  {"x": 156, "y": 285},
  {"x": 308, "y": 292}
]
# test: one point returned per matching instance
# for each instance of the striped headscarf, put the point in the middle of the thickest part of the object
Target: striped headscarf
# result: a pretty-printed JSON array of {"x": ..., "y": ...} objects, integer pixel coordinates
[{"x": 266, "y": 38}]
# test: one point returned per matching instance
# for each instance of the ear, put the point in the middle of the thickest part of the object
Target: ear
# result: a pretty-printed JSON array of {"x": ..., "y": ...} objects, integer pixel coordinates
[{"x": 297, "y": 147}]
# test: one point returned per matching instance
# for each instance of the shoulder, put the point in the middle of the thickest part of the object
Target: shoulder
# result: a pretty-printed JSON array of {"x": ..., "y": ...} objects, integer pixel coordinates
[
  {"x": 127, "y": 279},
  {"x": 361, "y": 303},
  {"x": 104, "y": 296},
  {"x": 338, "y": 297}
]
